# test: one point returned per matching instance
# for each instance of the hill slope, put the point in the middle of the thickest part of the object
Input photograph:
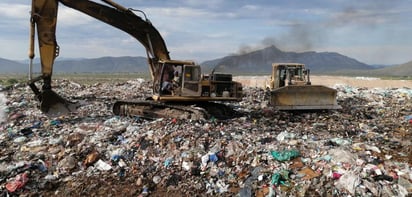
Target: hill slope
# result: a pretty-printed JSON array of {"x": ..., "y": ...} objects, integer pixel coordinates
[
  {"x": 9, "y": 66},
  {"x": 95, "y": 65},
  {"x": 399, "y": 70},
  {"x": 103, "y": 64}
]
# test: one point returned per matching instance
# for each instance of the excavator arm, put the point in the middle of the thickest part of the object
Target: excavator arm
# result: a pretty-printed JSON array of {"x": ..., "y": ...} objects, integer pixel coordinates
[{"x": 44, "y": 19}]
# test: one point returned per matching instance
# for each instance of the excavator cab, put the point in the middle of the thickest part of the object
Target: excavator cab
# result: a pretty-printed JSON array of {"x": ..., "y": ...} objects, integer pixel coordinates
[
  {"x": 177, "y": 79},
  {"x": 184, "y": 81}
]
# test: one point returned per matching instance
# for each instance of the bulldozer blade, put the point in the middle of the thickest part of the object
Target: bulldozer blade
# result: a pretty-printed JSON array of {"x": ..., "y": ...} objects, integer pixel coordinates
[
  {"x": 304, "y": 97},
  {"x": 54, "y": 105}
]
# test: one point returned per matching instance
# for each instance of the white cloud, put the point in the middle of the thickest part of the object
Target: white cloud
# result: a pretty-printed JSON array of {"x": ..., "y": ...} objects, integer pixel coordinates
[
  {"x": 172, "y": 14},
  {"x": 205, "y": 49},
  {"x": 14, "y": 11},
  {"x": 21, "y": 12},
  {"x": 15, "y": 48},
  {"x": 251, "y": 7},
  {"x": 68, "y": 17},
  {"x": 13, "y": 17},
  {"x": 209, "y": 3},
  {"x": 99, "y": 47},
  {"x": 219, "y": 35},
  {"x": 128, "y": 40}
]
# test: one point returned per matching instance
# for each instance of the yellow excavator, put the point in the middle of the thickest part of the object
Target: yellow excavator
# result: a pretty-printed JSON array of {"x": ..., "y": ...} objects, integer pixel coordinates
[
  {"x": 290, "y": 88},
  {"x": 180, "y": 90}
]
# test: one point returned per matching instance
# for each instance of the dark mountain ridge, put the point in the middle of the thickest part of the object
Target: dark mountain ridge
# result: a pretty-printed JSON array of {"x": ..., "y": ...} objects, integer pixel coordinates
[{"x": 260, "y": 61}]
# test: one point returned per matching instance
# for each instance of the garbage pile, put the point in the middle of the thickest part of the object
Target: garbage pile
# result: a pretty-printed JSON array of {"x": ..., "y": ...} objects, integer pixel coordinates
[{"x": 364, "y": 149}]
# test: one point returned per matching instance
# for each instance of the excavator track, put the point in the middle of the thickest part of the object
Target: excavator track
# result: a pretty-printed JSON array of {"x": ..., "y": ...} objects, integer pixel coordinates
[{"x": 153, "y": 109}]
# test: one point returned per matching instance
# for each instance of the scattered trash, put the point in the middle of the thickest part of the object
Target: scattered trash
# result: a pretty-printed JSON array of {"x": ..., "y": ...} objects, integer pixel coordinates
[
  {"x": 19, "y": 181},
  {"x": 280, "y": 178},
  {"x": 348, "y": 181},
  {"x": 285, "y": 155},
  {"x": 340, "y": 141},
  {"x": 308, "y": 173},
  {"x": 285, "y": 135},
  {"x": 360, "y": 150},
  {"x": 91, "y": 158},
  {"x": 103, "y": 166},
  {"x": 409, "y": 119},
  {"x": 3, "y": 107}
]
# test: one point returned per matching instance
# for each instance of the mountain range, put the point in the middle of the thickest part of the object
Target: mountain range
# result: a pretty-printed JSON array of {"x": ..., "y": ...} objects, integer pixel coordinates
[
  {"x": 260, "y": 61},
  {"x": 254, "y": 62},
  {"x": 94, "y": 65}
]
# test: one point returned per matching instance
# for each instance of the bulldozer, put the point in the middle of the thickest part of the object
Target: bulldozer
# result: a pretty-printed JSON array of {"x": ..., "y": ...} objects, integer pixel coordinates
[
  {"x": 290, "y": 88},
  {"x": 180, "y": 90}
]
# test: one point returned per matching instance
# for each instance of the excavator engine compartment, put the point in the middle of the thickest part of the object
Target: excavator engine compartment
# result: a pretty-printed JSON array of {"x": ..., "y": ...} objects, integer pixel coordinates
[{"x": 223, "y": 84}]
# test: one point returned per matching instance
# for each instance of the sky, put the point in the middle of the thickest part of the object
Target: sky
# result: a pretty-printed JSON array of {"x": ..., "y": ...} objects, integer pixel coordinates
[{"x": 371, "y": 31}]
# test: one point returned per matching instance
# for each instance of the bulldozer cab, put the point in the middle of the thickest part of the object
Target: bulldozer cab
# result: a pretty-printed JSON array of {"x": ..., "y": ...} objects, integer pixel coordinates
[{"x": 287, "y": 74}]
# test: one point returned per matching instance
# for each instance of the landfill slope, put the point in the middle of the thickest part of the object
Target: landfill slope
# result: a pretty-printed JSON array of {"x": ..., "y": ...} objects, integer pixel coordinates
[{"x": 364, "y": 149}]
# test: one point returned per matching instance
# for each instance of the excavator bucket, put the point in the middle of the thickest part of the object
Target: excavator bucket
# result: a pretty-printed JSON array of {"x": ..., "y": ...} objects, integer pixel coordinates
[
  {"x": 54, "y": 105},
  {"x": 304, "y": 97}
]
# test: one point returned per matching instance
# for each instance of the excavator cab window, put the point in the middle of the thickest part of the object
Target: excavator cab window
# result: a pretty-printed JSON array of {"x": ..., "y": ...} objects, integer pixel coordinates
[
  {"x": 192, "y": 73},
  {"x": 166, "y": 79},
  {"x": 191, "y": 77}
]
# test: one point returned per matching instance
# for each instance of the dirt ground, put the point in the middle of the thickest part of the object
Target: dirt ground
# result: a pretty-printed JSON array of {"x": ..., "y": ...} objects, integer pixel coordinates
[{"x": 330, "y": 81}]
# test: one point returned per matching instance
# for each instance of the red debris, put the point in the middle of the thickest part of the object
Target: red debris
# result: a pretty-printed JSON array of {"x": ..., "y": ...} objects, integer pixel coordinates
[{"x": 17, "y": 183}]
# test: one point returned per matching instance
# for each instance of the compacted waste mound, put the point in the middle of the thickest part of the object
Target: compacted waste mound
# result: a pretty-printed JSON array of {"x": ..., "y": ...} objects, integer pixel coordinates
[{"x": 363, "y": 149}]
